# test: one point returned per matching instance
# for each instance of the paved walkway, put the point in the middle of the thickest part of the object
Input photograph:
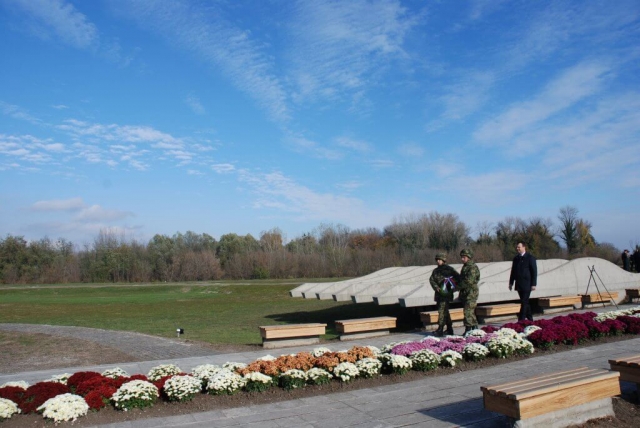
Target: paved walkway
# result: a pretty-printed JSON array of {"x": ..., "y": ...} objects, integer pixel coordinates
[
  {"x": 142, "y": 346},
  {"x": 444, "y": 401}
]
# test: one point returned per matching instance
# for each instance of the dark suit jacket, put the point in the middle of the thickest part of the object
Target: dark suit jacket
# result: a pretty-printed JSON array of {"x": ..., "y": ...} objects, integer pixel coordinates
[{"x": 524, "y": 272}]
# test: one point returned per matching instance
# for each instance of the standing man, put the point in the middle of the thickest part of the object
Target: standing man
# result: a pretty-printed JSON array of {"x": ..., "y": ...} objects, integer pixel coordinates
[
  {"x": 524, "y": 273},
  {"x": 625, "y": 260},
  {"x": 469, "y": 291},
  {"x": 444, "y": 280}
]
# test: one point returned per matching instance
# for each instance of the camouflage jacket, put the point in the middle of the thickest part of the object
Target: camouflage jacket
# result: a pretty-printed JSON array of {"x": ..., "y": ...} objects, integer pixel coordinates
[
  {"x": 469, "y": 278},
  {"x": 437, "y": 280}
]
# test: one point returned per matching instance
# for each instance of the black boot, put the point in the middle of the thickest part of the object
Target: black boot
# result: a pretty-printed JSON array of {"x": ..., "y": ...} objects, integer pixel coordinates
[
  {"x": 450, "y": 330},
  {"x": 439, "y": 332},
  {"x": 467, "y": 329}
]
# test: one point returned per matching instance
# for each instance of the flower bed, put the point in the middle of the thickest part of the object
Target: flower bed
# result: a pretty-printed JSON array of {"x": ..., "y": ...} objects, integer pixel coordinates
[{"x": 91, "y": 391}]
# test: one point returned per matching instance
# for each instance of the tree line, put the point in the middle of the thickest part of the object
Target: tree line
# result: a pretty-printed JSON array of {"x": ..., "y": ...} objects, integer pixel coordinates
[{"x": 329, "y": 250}]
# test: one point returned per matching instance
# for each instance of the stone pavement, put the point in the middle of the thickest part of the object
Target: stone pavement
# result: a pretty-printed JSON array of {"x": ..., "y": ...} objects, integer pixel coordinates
[{"x": 444, "y": 401}]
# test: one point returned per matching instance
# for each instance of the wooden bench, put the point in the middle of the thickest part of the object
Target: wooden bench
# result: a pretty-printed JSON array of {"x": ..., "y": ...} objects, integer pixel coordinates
[
  {"x": 597, "y": 299},
  {"x": 574, "y": 396},
  {"x": 365, "y": 327},
  {"x": 629, "y": 369},
  {"x": 550, "y": 305},
  {"x": 499, "y": 312},
  {"x": 278, "y": 336},
  {"x": 632, "y": 293},
  {"x": 430, "y": 319}
]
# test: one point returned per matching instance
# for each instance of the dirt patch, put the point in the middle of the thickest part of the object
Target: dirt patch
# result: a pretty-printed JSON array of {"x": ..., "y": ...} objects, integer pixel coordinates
[{"x": 53, "y": 351}]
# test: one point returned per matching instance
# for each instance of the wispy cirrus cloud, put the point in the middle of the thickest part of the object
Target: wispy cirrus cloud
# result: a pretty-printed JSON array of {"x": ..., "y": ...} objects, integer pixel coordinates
[
  {"x": 569, "y": 88},
  {"x": 194, "y": 104},
  {"x": 73, "y": 204},
  {"x": 218, "y": 42},
  {"x": 353, "y": 144},
  {"x": 339, "y": 47},
  {"x": 282, "y": 193},
  {"x": 19, "y": 113},
  {"x": 59, "y": 20}
]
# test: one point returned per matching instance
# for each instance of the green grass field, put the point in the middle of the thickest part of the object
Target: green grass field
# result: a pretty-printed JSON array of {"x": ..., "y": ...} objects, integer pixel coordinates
[{"x": 216, "y": 312}]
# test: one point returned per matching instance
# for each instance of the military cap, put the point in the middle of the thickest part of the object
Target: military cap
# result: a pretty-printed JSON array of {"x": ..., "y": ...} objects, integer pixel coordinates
[
  {"x": 441, "y": 256},
  {"x": 467, "y": 252}
]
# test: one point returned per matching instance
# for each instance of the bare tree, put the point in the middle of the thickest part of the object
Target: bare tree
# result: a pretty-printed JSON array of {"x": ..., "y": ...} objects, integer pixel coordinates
[{"x": 568, "y": 227}]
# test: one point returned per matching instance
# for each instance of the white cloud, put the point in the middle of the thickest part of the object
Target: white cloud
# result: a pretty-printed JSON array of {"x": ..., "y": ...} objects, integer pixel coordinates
[
  {"x": 356, "y": 145},
  {"x": 350, "y": 185},
  {"x": 18, "y": 113},
  {"x": 382, "y": 163},
  {"x": 222, "y": 168},
  {"x": 219, "y": 43},
  {"x": 571, "y": 87},
  {"x": 411, "y": 150},
  {"x": 96, "y": 213},
  {"x": 276, "y": 191},
  {"x": 60, "y": 107},
  {"x": 304, "y": 145},
  {"x": 194, "y": 104},
  {"x": 59, "y": 19},
  {"x": 341, "y": 46},
  {"x": 73, "y": 204}
]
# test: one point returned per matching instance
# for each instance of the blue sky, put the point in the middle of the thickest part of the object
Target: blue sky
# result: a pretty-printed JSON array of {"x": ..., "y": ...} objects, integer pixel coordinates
[{"x": 146, "y": 117}]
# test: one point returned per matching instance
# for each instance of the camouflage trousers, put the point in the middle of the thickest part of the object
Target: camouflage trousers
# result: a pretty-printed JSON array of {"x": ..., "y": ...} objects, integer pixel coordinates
[
  {"x": 444, "y": 317},
  {"x": 470, "y": 313}
]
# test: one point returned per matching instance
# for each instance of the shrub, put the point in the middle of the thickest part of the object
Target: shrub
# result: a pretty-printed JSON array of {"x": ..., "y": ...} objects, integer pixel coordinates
[
  {"x": 94, "y": 383},
  {"x": 77, "y": 378},
  {"x": 475, "y": 352},
  {"x": 64, "y": 407},
  {"x": 318, "y": 376},
  {"x": 135, "y": 394},
  {"x": 346, "y": 371},
  {"x": 368, "y": 367},
  {"x": 424, "y": 360},
  {"x": 13, "y": 393},
  {"x": 99, "y": 397},
  {"x": 37, "y": 394},
  {"x": 182, "y": 388},
  {"x": 257, "y": 382},
  {"x": 292, "y": 379}
]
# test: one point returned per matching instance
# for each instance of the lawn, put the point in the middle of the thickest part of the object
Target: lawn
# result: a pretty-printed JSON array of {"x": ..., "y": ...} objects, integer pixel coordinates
[{"x": 214, "y": 311}]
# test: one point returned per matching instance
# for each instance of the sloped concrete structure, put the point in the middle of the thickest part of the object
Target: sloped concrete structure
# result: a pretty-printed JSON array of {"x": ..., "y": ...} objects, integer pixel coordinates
[{"x": 409, "y": 286}]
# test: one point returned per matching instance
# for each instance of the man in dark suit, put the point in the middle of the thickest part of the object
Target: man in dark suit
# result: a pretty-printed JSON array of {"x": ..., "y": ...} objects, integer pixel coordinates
[{"x": 524, "y": 273}]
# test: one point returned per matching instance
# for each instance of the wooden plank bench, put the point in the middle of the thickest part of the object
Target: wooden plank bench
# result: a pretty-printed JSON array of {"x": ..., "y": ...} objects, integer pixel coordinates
[
  {"x": 430, "y": 318},
  {"x": 278, "y": 336},
  {"x": 632, "y": 293},
  {"x": 629, "y": 369},
  {"x": 365, "y": 327},
  {"x": 550, "y": 305},
  {"x": 598, "y": 299},
  {"x": 572, "y": 396},
  {"x": 500, "y": 312}
]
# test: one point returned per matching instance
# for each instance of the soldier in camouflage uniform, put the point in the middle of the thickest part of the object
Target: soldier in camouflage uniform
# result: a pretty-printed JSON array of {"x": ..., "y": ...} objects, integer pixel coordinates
[
  {"x": 469, "y": 291},
  {"x": 444, "y": 280}
]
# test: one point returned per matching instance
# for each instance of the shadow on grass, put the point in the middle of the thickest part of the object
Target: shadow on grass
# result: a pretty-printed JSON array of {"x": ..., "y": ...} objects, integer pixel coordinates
[{"x": 408, "y": 319}]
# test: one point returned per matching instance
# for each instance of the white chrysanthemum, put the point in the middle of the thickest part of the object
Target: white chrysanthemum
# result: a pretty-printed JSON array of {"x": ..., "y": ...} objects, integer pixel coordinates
[
  {"x": 61, "y": 378},
  {"x": 611, "y": 315},
  {"x": 8, "y": 408},
  {"x": 64, "y": 407},
  {"x": 431, "y": 339},
  {"x": 396, "y": 363},
  {"x": 523, "y": 346},
  {"x": 115, "y": 373},
  {"x": 369, "y": 367},
  {"x": 136, "y": 393},
  {"x": 258, "y": 377},
  {"x": 295, "y": 373},
  {"x": 233, "y": 366},
  {"x": 182, "y": 388},
  {"x": 18, "y": 384},
  {"x": 225, "y": 382},
  {"x": 501, "y": 346},
  {"x": 206, "y": 372},
  {"x": 475, "y": 352},
  {"x": 317, "y": 373},
  {"x": 424, "y": 359},
  {"x": 450, "y": 358},
  {"x": 346, "y": 371},
  {"x": 267, "y": 358},
  {"x": 507, "y": 332},
  {"x": 376, "y": 351},
  {"x": 320, "y": 351},
  {"x": 163, "y": 370},
  {"x": 530, "y": 329},
  {"x": 476, "y": 332}
]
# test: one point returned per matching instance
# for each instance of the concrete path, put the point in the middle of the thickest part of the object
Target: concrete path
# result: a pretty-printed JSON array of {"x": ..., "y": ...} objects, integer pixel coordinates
[{"x": 143, "y": 346}]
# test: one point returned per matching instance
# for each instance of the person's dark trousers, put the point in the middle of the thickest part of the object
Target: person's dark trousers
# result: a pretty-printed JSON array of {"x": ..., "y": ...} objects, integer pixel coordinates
[{"x": 525, "y": 308}]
